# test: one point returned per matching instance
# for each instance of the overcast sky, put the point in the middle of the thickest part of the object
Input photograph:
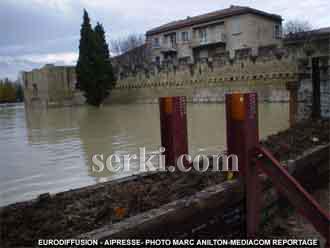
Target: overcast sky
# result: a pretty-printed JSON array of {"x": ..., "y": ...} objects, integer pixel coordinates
[{"x": 35, "y": 32}]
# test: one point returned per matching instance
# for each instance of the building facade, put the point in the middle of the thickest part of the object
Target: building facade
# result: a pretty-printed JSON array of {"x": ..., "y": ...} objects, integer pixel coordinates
[
  {"x": 224, "y": 31},
  {"x": 50, "y": 86}
]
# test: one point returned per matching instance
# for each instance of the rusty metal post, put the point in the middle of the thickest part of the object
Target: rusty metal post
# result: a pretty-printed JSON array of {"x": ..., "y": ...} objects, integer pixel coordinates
[
  {"x": 173, "y": 127},
  {"x": 292, "y": 87},
  {"x": 242, "y": 138},
  {"x": 316, "y": 105}
]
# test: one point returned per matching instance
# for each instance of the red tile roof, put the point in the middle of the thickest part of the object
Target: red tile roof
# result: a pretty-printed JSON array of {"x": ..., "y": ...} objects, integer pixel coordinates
[{"x": 212, "y": 16}]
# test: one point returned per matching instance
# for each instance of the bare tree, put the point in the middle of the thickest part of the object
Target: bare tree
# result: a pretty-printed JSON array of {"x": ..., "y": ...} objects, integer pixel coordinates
[
  {"x": 127, "y": 43},
  {"x": 296, "y": 26}
]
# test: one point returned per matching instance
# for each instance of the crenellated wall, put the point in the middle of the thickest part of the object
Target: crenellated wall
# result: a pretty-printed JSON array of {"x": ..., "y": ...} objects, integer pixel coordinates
[
  {"x": 277, "y": 73},
  {"x": 267, "y": 91},
  {"x": 207, "y": 81}
]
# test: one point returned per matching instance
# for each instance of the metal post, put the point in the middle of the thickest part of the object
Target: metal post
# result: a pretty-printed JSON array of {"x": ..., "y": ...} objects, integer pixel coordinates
[
  {"x": 292, "y": 87},
  {"x": 242, "y": 138},
  {"x": 173, "y": 126},
  {"x": 316, "y": 106}
]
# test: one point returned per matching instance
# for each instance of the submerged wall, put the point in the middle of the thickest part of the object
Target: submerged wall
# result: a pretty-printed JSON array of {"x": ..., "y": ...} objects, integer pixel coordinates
[
  {"x": 207, "y": 81},
  {"x": 51, "y": 86},
  {"x": 267, "y": 70},
  {"x": 267, "y": 91}
]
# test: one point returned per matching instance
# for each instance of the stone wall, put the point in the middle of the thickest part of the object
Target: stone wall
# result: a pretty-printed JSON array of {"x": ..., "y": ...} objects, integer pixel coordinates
[
  {"x": 51, "y": 86},
  {"x": 208, "y": 80},
  {"x": 267, "y": 91},
  {"x": 267, "y": 71}
]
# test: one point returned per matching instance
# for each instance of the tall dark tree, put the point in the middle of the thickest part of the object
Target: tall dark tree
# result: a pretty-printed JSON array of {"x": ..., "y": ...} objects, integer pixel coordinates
[
  {"x": 94, "y": 70},
  {"x": 103, "y": 68},
  {"x": 86, "y": 49},
  {"x": 19, "y": 93}
]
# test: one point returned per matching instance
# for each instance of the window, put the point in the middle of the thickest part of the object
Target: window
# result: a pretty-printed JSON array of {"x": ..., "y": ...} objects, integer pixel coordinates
[
  {"x": 172, "y": 38},
  {"x": 202, "y": 35},
  {"x": 35, "y": 90},
  {"x": 184, "y": 60},
  {"x": 236, "y": 27},
  {"x": 185, "y": 36},
  {"x": 157, "y": 60},
  {"x": 277, "y": 31},
  {"x": 156, "y": 42}
]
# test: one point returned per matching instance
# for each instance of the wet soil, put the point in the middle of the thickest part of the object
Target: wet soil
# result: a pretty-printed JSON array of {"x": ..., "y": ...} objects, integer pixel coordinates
[
  {"x": 288, "y": 223},
  {"x": 294, "y": 141},
  {"x": 66, "y": 215}
]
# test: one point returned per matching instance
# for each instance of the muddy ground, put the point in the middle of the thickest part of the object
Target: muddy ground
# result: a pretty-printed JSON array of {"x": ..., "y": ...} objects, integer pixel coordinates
[
  {"x": 292, "y": 142},
  {"x": 68, "y": 215},
  {"x": 288, "y": 223}
]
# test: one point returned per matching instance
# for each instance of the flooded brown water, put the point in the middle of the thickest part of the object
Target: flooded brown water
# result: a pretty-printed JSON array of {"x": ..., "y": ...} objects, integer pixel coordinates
[{"x": 50, "y": 150}]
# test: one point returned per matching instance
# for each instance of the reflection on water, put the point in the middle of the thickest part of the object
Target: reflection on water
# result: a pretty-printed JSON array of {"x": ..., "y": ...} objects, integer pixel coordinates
[{"x": 50, "y": 150}]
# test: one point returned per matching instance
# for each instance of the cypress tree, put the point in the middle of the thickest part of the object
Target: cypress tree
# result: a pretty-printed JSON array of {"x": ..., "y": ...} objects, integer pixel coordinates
[
  {"x": 103, "y": 68},
  {"x": 84, "y": 68},
  {"x": 94, "y": 70},
  {"x": 19, "y": 93}
]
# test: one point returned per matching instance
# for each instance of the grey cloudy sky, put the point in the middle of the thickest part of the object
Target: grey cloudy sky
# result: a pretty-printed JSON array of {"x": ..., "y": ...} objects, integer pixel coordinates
[{"x": 35, "y": 32}]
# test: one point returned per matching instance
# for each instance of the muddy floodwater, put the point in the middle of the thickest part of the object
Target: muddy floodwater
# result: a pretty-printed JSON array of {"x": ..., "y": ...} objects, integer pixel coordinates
[{"x": 50, "y": 150}]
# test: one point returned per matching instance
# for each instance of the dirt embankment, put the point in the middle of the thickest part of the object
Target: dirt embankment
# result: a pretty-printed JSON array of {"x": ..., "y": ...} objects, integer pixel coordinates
[
  {"x": 67, "y": 215},
  {"x": 288, "y": 223}
]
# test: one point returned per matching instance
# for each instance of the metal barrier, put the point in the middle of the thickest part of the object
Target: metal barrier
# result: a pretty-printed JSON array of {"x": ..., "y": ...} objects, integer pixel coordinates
[
  {"x": 243, "y": 140},
  {"x": 293, "y": 191}
]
